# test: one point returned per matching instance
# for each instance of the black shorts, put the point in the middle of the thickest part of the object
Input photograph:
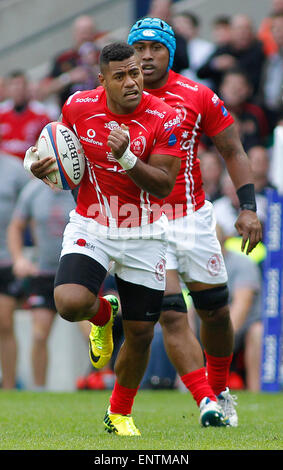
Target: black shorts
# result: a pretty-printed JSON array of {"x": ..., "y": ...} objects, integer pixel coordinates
[
  {"x": 9, "y": 284},
  {"x": 41, "y": 293}
]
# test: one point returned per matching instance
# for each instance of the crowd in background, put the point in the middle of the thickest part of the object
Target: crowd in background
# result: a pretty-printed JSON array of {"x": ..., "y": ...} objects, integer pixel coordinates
[{"x": 244, "y": 66}]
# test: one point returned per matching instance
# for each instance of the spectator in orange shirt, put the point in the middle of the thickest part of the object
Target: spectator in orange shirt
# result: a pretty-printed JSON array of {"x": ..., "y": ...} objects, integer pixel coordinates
[{"x": 264, "y": 31}]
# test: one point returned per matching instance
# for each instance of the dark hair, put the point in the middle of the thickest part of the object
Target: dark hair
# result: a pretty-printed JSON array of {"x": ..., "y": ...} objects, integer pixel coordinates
[
  {"x": 190, "y": 16},
  {"x": 116, "y": 52},
  {"x": 16, "y": 74},
  {"x": 276, "y": 14},
  {"x": 221, "y": 20},
  {"x": 237, "y": 71}
]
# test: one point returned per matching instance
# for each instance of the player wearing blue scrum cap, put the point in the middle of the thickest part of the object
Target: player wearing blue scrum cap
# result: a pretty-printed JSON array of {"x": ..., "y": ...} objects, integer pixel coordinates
[
  {"x": 194, "y": 253},
  {"x": 154, "y": 29}
]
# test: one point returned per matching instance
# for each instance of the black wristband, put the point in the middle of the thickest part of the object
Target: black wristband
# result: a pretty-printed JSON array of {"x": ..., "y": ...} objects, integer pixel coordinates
[{"x": 246, "y": 195}]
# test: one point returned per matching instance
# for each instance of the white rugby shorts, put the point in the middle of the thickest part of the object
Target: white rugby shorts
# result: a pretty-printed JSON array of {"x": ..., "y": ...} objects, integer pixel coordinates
[
  {"x": 193, "y": 248},
  {"x": 139, "y": 253}
]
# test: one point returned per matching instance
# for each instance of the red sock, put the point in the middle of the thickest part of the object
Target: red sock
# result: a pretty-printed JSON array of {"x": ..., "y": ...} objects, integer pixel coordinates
[
  {"x": 198, "y": 385},
  {"x": 218, "y": 372},
  {"x": 104, "y": 313},
  {"x": 122, "y": 399}
]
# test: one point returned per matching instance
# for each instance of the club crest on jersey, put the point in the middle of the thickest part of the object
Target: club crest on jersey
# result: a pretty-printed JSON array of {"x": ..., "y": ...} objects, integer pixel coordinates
[
  {"x": 214, "y": 265},
  {"x": 181, "y": 110},
  {"x": 160, "y": 270},
  {"x": 112, "y": 125},
  {"x": 138, "y": 145}
]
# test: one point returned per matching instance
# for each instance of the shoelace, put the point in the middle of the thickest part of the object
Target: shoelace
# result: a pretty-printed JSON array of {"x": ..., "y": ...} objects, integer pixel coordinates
[{"x": 230, "y": 401}]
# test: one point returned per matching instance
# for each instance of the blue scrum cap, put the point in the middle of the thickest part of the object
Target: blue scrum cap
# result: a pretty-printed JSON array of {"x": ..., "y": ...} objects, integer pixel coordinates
[{"x": 154, "y": 29}]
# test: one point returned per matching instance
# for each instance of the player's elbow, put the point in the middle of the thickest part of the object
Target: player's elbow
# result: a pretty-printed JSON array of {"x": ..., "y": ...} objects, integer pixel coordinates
[{"x": 163, "y": 191}]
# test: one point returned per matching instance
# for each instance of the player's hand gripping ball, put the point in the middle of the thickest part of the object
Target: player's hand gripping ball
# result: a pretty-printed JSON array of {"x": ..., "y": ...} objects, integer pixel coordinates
[{"x": 58, "y": 141}]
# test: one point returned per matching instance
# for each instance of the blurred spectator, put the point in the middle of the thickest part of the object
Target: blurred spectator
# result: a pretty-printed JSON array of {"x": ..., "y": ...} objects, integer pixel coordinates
[
  {"x": 162, "y": 9},
  {"x": 198, "y": 49},
  {"x": 67, "y": 69},
  {"x": 2, "y": 89},
  {"x": 50, "y": 104},
  {"x": 272, "y": 77},
  {"x": 264, "y": 31},
  {"x": 260, "y": 163},
  {"x": 47, "y": 212},
  {"x": 211, "y": 170},
  {"x": 221, "y": 31},
  {"x": 244, "y": 51},
  {"x": 21, "y": 119},
  {"x": 226, "y": 208},
  {"x": 88, "y": 59},
  {"x": 13, "y": 178},
  {"x": 236, "y": 91}
]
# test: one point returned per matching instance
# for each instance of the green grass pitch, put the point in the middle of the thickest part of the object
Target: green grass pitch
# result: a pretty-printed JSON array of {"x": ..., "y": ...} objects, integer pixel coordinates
[{"x": 168, "y": 420}]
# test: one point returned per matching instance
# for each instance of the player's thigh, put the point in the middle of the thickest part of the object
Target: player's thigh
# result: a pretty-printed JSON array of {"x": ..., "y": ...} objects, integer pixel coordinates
[
  {"x": 83, "y": 253},
  {"x": 142, "y": 262},
  {"x": 139, "y": 303},
  {"x": 173, "y": 285},
  {"x": 83, "y": 265},
  {"x": 77, "y": 283},
  {"x": 197, "y": 249}
]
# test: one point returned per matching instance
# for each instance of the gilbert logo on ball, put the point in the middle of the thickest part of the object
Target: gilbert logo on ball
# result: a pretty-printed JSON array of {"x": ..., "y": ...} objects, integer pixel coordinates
[{"x": 57, "y": 140}]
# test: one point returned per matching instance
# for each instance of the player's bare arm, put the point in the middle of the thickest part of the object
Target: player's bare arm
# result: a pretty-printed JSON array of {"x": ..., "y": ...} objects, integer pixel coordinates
[
  {"x": 229, "y": 146},
  {"x": 157, "y": 177}
]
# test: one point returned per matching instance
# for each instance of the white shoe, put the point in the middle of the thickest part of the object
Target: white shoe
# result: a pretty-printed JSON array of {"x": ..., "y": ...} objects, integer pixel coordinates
[
  {"x": 211, "y": 414},
  {"x": 228, "y": 403}
]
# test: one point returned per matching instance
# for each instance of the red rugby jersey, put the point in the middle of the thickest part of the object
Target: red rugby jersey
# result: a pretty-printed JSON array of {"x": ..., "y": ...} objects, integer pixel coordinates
[
  {"x": 106, "y": 193},
  {"x": 201, "y": 111},
  {"x": 20, "y": 130}
]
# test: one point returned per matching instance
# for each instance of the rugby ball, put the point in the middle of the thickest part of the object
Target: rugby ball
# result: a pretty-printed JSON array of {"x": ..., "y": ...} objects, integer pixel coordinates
[{"x": 57, "y": 140}]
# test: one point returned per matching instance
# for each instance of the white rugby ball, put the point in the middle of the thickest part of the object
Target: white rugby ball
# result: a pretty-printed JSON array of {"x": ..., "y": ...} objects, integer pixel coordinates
[{"x": 57, "y": 140}]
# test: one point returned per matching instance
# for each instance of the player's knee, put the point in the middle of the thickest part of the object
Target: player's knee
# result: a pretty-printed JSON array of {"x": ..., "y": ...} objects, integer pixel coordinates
[
  {"x": 174, "y": 303},
  {"x": 6, "y": 326},
  {"x": 218, "y": 317},
  {"x": 40, "y": 337},
  {"x": 72, "y": 304},
  {"x": 174, "y": 309},
  {"x": 212, "y": 305},
  {"x": 141, "y": 336},
  {"x": 172, "y": 321}
]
